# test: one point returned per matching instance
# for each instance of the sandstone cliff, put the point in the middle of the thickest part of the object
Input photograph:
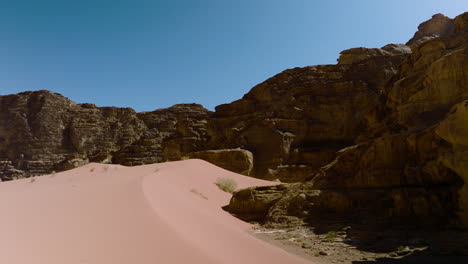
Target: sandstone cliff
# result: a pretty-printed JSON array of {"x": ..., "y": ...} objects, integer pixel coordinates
[
  {"x": 404, "y": 154},
  {"x": 41, "y": 132}
]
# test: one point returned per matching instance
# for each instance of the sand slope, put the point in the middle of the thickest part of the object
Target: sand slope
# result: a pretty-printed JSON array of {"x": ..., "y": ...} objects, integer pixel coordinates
[{"x": 110, "y": 214}]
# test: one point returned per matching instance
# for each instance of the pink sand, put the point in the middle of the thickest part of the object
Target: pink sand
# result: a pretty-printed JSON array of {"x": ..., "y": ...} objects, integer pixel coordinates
[{"x": 111, "y": 214}]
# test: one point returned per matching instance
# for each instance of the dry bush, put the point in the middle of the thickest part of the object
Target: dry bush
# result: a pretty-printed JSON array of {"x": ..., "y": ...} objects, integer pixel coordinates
[
  {"x": 226, "y": 184},
  {"x": 331, "y": 236}
]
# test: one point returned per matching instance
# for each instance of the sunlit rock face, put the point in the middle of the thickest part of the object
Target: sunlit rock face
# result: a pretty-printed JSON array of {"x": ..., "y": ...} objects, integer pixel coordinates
[
  {"x": 438, "y": 26},
  {"x": 406, "y": 159}
]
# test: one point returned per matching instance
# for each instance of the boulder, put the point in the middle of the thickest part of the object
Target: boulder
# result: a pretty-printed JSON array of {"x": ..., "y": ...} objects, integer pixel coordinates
[{"x": 235, "y": 160}]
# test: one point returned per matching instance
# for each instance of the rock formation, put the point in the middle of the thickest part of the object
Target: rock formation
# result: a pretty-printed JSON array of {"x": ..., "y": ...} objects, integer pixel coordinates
[
  {"x": 405, "y": 159},
  {"x": 438, "y": 26},
  {"x": 381, "y": 136},
  {"x": 236, "y": 160},
  {"x": 41, "y": 132}
]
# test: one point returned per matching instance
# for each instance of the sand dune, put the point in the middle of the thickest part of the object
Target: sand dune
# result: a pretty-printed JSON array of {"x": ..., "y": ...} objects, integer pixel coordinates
[{"x": 110, "y": 214}]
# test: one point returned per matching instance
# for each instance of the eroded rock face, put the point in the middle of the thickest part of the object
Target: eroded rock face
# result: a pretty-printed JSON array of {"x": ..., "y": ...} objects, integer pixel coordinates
[
  {"x": 171, "y": 133},
  {"x": 353, "y": 55},
  {"x": 294, "y": 122},
  {"x": 41, "y": 132},
  {"x": 454, "y": 130},
  {"x": 236, "y": 160},
  {"x": 438, "y": 26},
  {"x": 408, "y": 161}
]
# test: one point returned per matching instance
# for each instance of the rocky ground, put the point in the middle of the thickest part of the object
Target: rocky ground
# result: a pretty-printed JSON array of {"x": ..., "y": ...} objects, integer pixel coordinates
[{"x": 361, "y": 245}]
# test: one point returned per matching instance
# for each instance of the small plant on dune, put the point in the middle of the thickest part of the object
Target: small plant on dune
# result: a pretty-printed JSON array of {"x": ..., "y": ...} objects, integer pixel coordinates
[
  {"x": 92, "y": 169},
  {"x": 330, "y": 237},
  {"x": 106, "y": 168},
  {"x": 226, "y": 184},
  {"x": 52, "y": 174},
  {"x": 195, "y": 191},
  {"x": 156, "y": 170},
  {"x": 33, "y": 179}
]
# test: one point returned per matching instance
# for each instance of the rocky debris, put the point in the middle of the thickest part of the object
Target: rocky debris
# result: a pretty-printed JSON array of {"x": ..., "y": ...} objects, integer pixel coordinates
[
  {"x": 360, "y": 244},
  {"x": 236, "y": 160},
  {"x": 8, "y": 171},
  {"x": 404, "y": 163}
]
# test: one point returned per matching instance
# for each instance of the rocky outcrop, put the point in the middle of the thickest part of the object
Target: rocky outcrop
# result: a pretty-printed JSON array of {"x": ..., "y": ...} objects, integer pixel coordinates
[
  {"x": 438, "y": 26},
  {"x": 41, "y": 132},
  {"x": 407, "y": 163},
  {"x": 294, "y": 122},
  {"x": 170, "y": 134},
  {"x": 236, "y": 160},
  {"x": 354, "y": 55}
]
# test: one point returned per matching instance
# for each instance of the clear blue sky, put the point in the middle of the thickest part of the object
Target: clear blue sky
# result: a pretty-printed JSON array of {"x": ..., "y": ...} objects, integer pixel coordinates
[{"x": 149, "y": 54}]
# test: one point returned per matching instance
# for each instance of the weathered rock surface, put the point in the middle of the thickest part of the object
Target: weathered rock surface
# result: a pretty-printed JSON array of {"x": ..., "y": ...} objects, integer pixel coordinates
[
  {"x": 438, "y": 26},
  {"x": 353, "y": 55},
  {"x": 295, "y": 122},
  {"x": 170, "y": 134},
  {"x": 406, "y": 161},
  {"x": 454, "y": 130},
  {"x": 43, "y": 131},
  {"x": 236, "y": 160}
]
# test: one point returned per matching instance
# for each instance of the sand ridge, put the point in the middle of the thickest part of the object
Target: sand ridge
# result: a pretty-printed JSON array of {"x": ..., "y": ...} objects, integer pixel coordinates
[{"x": 102, "y": 214}]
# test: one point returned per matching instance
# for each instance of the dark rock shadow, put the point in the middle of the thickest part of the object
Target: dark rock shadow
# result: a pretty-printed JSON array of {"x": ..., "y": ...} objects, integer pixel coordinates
[
  {"x": 418, "y": 258},
  {"x": 408, "y": 243}
]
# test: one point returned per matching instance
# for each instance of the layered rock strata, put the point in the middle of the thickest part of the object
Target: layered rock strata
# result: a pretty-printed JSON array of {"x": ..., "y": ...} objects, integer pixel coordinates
[{"x": 406, "y": 154}]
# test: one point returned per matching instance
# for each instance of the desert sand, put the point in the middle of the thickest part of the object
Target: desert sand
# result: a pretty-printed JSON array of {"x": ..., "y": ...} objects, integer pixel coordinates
[{"x": 109, "y": 214}]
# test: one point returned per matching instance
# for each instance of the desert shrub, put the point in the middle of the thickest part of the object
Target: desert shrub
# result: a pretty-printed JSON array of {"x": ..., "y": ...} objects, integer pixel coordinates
[
  {"x": 226, "y": 184},
  {"x": 33, "y": 179},
  {"x": 330, "y": 237}
]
